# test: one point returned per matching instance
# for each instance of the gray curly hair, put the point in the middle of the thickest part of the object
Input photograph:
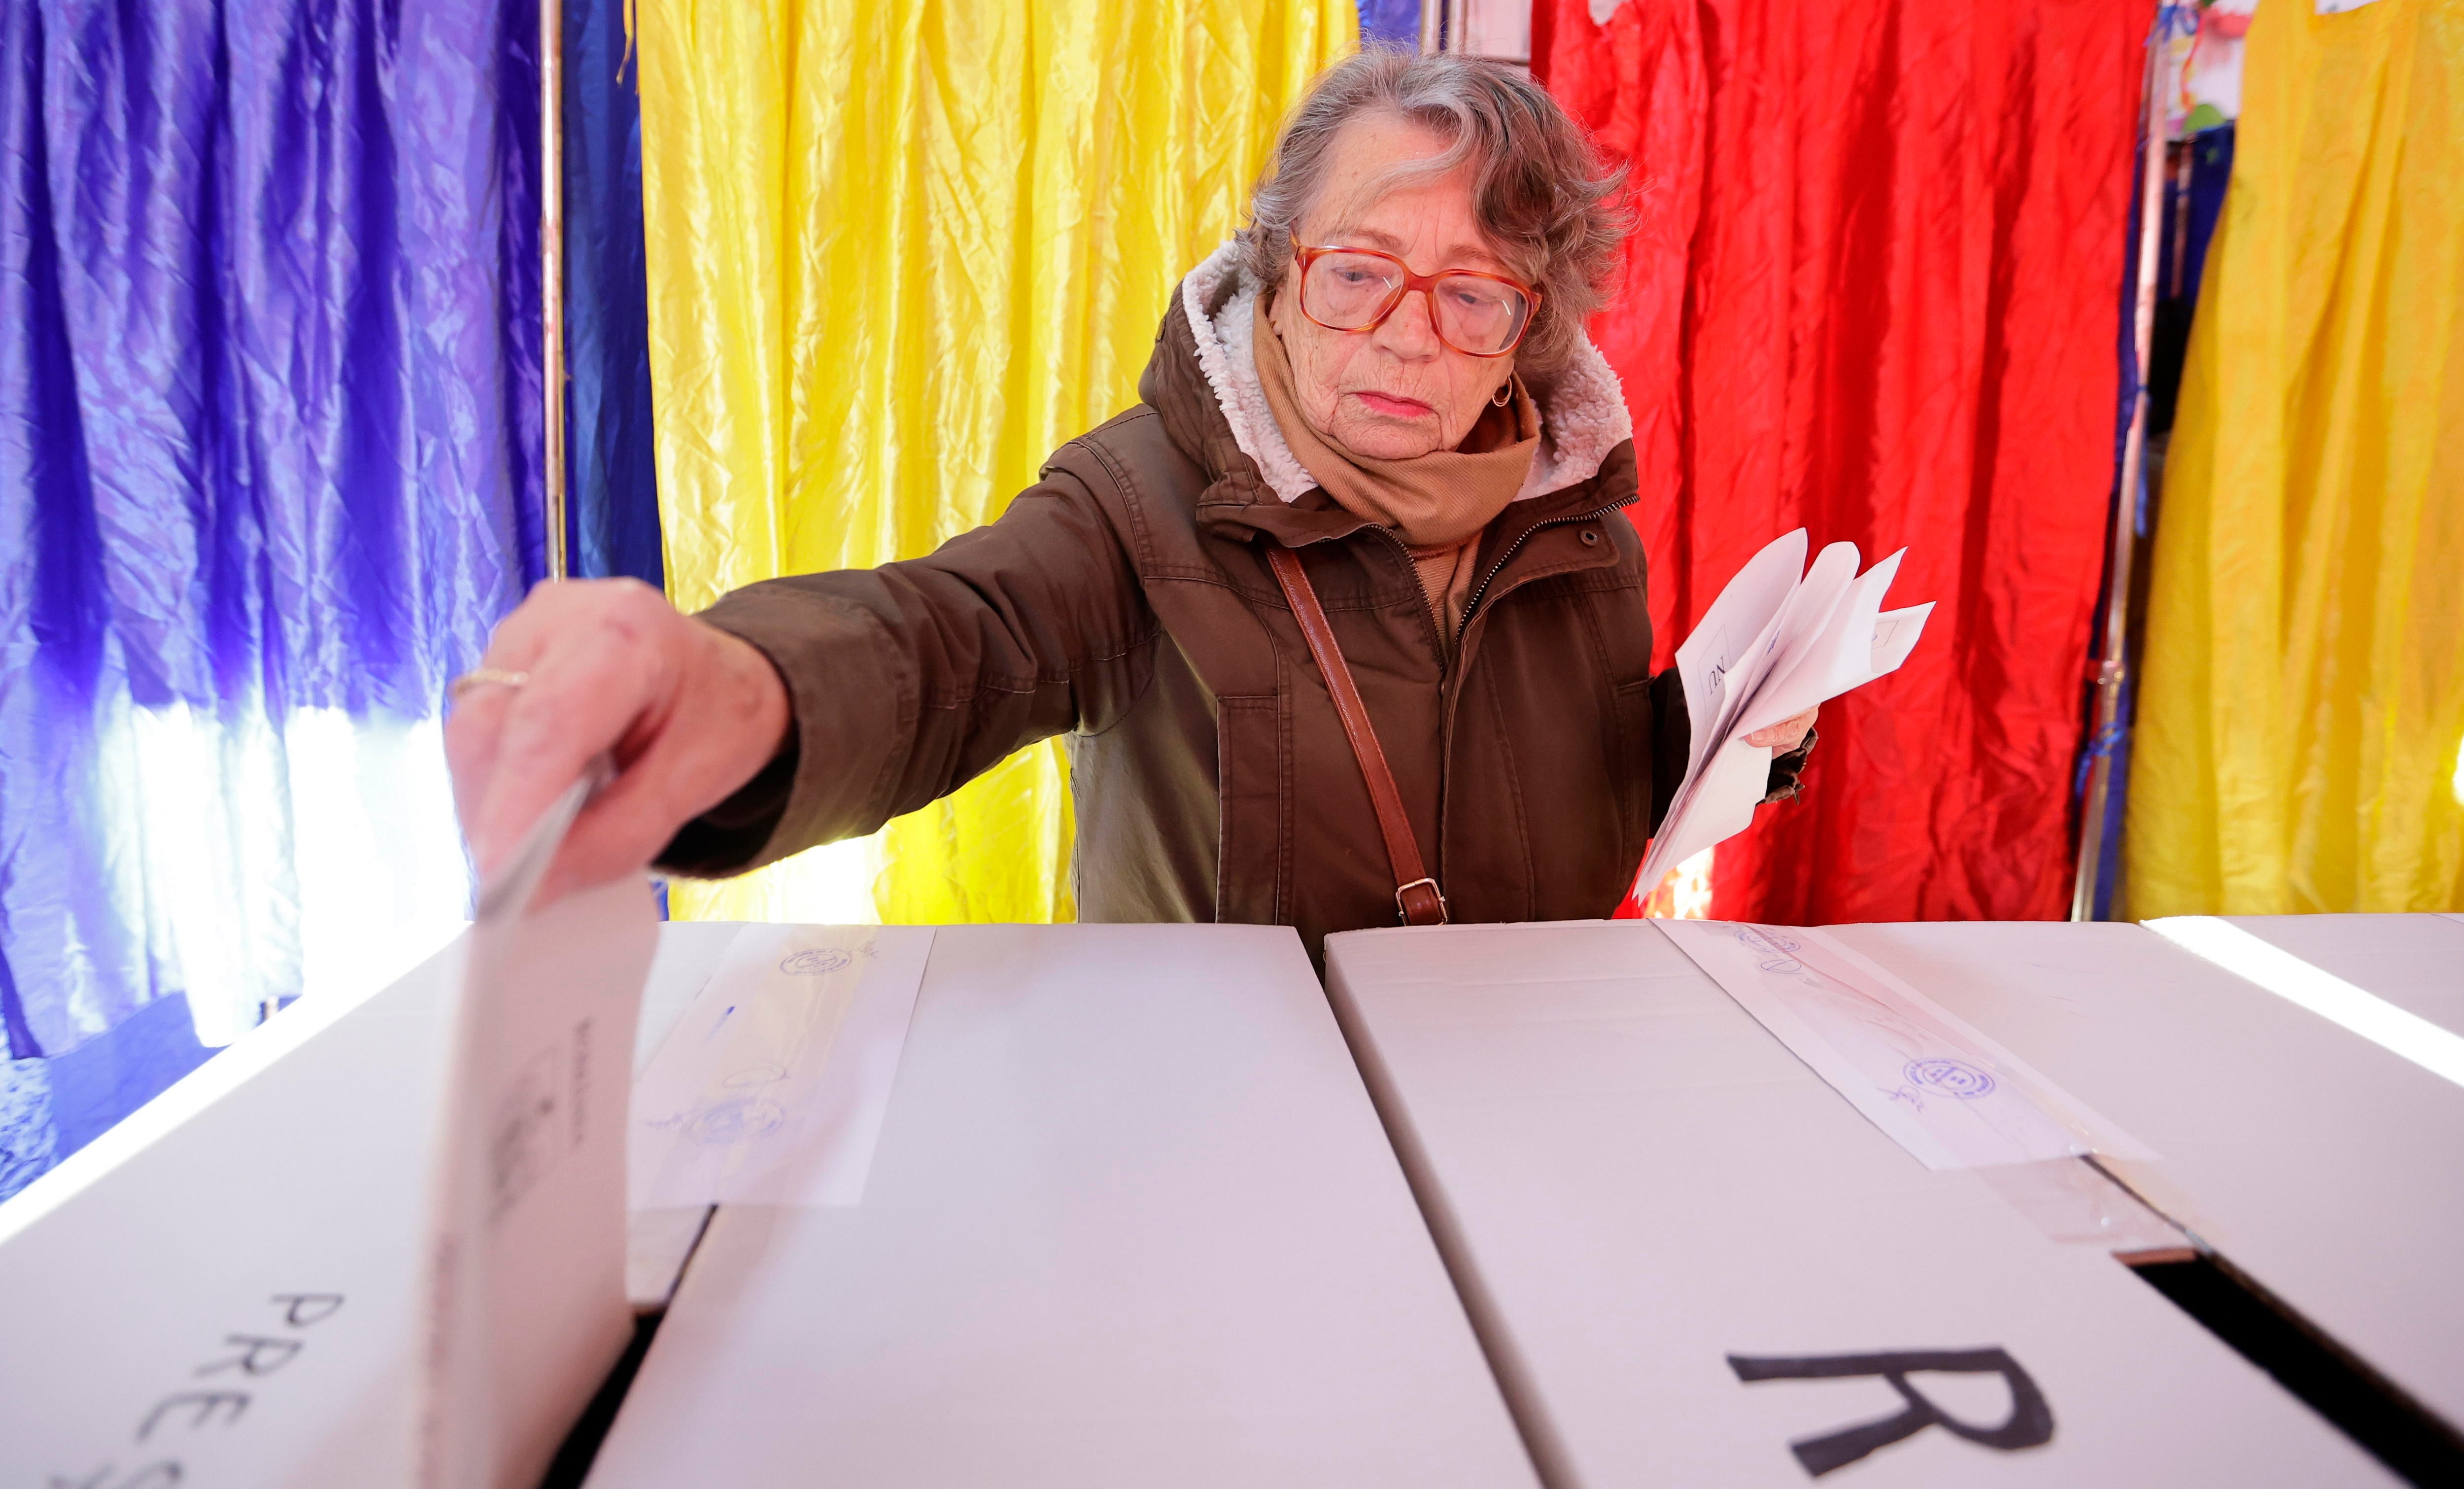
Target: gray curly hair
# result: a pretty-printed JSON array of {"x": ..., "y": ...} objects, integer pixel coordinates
[{"x": 1543, "y": 198}]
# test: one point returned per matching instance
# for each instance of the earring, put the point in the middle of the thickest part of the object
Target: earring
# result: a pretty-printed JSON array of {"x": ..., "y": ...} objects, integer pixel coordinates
[{"x": 1503, "y": 395}]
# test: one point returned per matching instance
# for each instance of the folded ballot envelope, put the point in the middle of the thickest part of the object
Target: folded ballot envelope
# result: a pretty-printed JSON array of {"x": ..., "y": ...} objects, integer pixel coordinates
[
  {"x": 1780, "y": 639},
  {"x": 523, "y": 1297},
  {"x": 381, "y": 1242}
]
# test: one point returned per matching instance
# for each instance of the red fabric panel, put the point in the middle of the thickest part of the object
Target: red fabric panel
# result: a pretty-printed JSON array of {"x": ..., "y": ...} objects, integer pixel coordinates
[{"x": 1874, "y": 292}]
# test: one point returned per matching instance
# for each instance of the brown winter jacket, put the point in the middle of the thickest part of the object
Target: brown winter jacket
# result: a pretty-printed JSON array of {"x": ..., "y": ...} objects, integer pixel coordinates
[{"x": 1124, "y": 601}]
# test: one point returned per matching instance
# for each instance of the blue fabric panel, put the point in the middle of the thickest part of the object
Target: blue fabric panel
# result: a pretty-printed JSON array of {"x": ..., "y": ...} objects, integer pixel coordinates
[
  {"x": 270, "y": 435},
  {"x": 56, "y": 598},
  {"x": 503, "y": 102},
  {"x": 1397, "y": 21},
  {"x": 612, "y": 486},
  {"x": 2191, "y": 213},
  {"x": 28, "y": 1146},
  {"x": 2211, "y": 154},
  {"x": 292, "y": 367},
  {"x": 106, "y": 1079}
]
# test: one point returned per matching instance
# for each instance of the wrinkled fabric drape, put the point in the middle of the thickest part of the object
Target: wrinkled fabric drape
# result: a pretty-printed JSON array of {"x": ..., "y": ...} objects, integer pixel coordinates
[
  {"x": 897, "y": 254},
  {"x": 612, "y": 496},
  {"x": 2302, "y": 703},
  {"x": 268, "y": 463},
  {"x": 1872, "y": 293}
]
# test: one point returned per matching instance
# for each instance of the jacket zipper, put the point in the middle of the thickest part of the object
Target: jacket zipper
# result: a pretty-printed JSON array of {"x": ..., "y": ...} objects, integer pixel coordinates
[{"x": 1471, "y": 607}]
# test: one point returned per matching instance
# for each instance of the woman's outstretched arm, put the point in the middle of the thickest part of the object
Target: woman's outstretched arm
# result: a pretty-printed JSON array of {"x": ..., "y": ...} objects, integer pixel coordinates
[{"x": 800, "y": 710}]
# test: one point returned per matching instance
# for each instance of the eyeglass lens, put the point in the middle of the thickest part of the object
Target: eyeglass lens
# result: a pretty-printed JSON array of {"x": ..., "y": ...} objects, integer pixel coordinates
[{"x": 1349, "y": 291}]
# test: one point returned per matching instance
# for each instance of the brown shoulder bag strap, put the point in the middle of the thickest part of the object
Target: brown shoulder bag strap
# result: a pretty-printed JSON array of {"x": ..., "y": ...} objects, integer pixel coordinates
[{"x": 1416, "y": 899}]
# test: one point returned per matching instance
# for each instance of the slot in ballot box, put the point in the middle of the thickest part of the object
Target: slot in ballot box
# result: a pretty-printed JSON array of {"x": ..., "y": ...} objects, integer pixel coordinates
[
  {"x": 1692, "y": 1261},
  {"x": 2320, "y": 1163},
  {"x": 1130, "y": 1220}
]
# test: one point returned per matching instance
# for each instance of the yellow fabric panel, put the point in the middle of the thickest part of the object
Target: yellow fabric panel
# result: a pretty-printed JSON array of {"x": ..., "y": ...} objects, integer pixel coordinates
[
  {"x": 2304, "y": 701},
  {"x": 899, "y": 253}
]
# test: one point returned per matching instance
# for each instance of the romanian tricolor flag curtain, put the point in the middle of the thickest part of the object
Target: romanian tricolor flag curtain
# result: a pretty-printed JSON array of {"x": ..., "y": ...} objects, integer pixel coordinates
[
  {"x": 898, "y": 252},
  {"x": 2303, "y": 706},
  {"x": 1875, "y": 292}
]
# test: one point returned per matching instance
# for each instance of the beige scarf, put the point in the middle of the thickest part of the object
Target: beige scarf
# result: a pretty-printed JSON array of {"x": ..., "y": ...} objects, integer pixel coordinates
[{"x": 1439, "y": 503}]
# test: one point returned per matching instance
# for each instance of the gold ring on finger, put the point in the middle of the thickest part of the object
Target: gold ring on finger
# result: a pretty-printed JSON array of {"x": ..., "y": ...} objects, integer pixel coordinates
[{"x": 484, "y": 676}]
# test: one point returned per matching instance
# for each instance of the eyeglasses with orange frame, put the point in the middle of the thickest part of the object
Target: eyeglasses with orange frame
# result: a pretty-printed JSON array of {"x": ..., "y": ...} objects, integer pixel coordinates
[{"x": 1454, "y": 321}]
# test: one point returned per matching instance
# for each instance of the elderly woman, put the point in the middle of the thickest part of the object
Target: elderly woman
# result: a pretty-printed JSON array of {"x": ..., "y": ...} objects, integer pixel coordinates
[{"x": 1342, "y": 621}]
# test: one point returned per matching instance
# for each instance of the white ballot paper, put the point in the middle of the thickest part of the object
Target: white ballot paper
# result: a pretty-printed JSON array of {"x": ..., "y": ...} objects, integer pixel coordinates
[
  {"x": 772, "y": 1088},
  {"x": 1934, "y": 1083},
  {"x": 1779, "y": 639},
  {"x": 525, "y": 1304}
]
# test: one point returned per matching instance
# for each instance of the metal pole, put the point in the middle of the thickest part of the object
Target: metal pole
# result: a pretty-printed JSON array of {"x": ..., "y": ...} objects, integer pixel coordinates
[
  {"x": 1432, "y": 18},
  {"x": 552, "y": 275},
  {"x": 2112, "y": 658}
]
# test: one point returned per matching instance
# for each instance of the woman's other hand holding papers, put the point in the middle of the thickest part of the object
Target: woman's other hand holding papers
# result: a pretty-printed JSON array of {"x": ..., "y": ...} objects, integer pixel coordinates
[{"x": 1786, "y": 735}]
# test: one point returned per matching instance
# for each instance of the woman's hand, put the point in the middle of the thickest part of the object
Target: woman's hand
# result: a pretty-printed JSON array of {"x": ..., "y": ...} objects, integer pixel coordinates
[
  {"x": 686, "y": 712},
  {"x": 1786, "y": 735}
]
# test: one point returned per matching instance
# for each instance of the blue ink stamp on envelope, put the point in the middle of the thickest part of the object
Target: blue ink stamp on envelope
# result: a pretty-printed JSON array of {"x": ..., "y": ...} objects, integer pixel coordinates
[
  {"x": 736, "y": 1119},
  {"x": 816, "y": 962},
  {"x": 1949, "y": 1078},
  {"x": 1773, "y": 947}
]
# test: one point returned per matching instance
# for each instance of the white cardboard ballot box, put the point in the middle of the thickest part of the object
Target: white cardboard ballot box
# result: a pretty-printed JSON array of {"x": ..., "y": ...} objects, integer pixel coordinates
[
  {"x": 2321, "y": 1164},
  {"x": 1693, "y": 1262},
  {"x": 2415, "y": 962},
  {"x": 1131, "y": 1221},
  {"x": 224, "y": 1289}
]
